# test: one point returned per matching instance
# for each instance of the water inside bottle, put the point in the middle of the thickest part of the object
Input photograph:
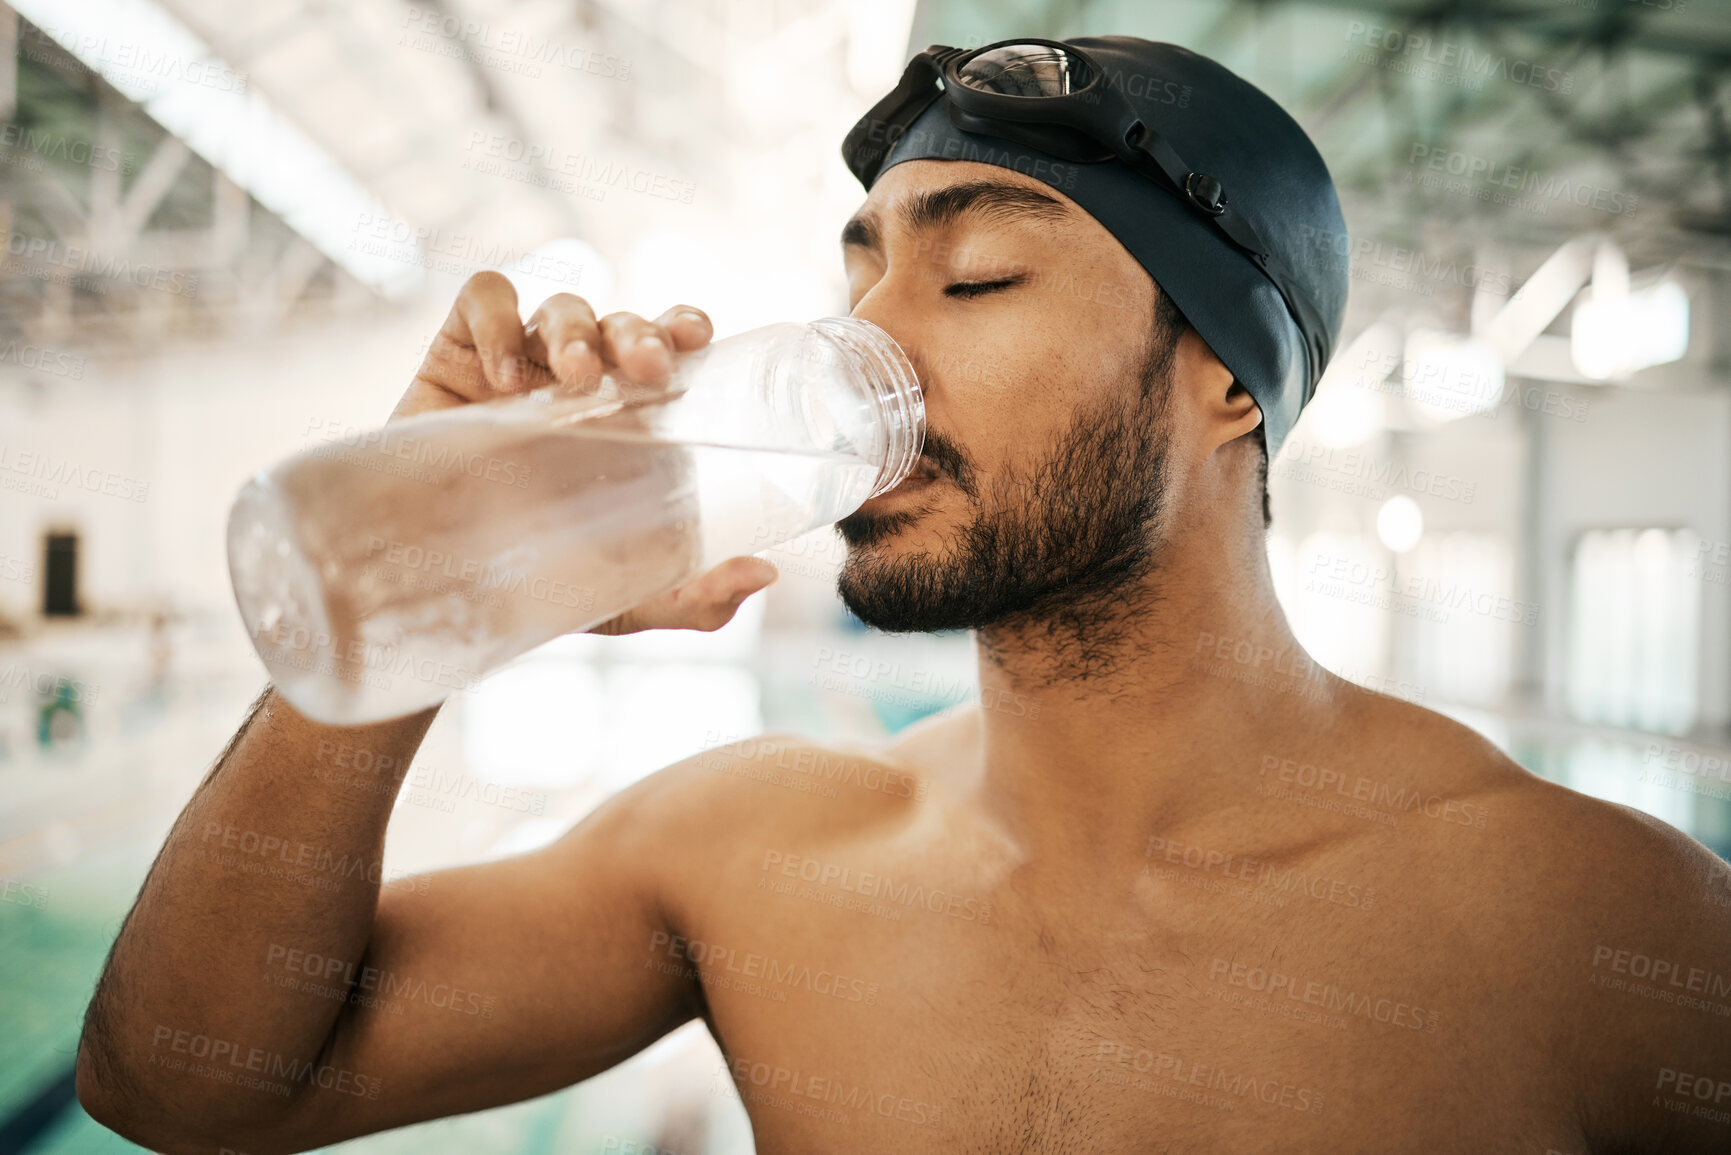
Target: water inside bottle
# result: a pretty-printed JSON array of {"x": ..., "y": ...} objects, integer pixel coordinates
[{"x": 500, "y": 540}]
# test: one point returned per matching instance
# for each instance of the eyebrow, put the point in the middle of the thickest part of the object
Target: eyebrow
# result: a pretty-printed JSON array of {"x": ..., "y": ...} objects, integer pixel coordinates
[{"x": 935, "y": 208}]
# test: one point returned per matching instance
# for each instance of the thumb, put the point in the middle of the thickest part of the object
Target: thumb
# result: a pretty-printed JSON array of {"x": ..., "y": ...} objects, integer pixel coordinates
[
  {"x": 710, "y": 601},
  {"x": 729, "y": 583},
  {"x": 707, "y": 602}
]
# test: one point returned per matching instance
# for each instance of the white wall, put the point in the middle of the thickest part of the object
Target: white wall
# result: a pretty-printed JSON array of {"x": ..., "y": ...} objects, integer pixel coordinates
[{"x": 193, "y": 423}]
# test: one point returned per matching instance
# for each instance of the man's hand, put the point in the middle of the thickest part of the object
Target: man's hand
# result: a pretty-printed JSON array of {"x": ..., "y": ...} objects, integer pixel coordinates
[{"x": 484, "y": 352}]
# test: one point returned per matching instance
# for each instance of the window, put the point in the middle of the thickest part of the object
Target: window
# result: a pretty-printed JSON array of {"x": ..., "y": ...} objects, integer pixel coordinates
[
  {"x": 1462, "y": 611},
  {"x": 60, "y": 576},
  {"x": 1634, "y": 635}
]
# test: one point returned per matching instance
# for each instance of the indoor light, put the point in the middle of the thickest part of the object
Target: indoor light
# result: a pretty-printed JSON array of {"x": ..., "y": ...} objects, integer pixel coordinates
[
  {"x": 1449, "y": 375},
  {"x": 1400, "y": 523}
]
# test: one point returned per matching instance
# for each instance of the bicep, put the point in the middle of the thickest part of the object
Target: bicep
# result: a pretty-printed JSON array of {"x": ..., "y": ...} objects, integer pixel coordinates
[{"x": 503, "y": 981}]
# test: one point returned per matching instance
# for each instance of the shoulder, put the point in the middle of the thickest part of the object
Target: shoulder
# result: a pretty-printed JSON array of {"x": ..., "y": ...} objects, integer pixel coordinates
[
  {"x": 1547, "y": 844},
  {"x": 1602, "y": 930},
  {"x": 726, "y": 809},
  {"x": 1639, "y": 949}
]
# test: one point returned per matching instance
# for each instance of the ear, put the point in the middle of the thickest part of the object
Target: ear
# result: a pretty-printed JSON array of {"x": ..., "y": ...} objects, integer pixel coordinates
[{"x": 1224, "y": 409}]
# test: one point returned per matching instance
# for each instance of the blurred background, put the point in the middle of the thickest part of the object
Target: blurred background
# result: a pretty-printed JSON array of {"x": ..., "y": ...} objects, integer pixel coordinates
[{"x": 232, "y": 228}]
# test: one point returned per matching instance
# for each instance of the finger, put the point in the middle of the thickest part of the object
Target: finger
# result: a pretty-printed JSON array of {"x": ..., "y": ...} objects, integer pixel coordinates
[
  {"x": 729, "y": 583},
  {"x": 707, "y": 602},
  {"x": 485, "y": 319},
  {"x": 640, "y": 349},
  {"x": 564, "y": 335},
  {"x": 689, "y": 327}
]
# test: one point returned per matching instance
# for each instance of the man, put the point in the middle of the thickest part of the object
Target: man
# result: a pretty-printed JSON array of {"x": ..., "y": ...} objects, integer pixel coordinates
[{"x": 1186, "y": 892}]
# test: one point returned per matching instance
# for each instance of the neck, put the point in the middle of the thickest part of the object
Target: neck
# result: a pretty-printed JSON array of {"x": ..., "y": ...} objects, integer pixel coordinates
[{"x": 1100, "y": 723}]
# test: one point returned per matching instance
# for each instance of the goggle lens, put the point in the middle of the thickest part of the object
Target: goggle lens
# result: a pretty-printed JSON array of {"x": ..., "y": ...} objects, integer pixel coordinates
[{"x": 1031, "y": 70}]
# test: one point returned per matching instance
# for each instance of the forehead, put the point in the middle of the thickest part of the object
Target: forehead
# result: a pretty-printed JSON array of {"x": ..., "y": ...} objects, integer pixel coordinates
[
  {"x": 908, "y": 193},
  {"x": 927, "y": 172}
]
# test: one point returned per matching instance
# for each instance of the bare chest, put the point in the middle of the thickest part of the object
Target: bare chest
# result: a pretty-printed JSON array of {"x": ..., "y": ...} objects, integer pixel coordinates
[{"x": 856, "y": 1015}]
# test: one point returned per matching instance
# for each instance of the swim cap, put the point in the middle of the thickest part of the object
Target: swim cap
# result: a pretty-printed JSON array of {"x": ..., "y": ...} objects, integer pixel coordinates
[{"x": 1228, "y": 128}]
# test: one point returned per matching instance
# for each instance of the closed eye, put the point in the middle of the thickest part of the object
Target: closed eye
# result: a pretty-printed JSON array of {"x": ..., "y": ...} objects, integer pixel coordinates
[{"x": 967, "y": 289}]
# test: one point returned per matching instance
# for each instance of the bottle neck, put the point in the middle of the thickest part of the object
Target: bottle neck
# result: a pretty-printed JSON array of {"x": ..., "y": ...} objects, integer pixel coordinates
[{"x": 889, "y": 383}]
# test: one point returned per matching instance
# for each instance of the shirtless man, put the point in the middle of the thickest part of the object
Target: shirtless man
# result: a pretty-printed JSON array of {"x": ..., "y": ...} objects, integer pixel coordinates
[{"x": 1133, "y": 900}]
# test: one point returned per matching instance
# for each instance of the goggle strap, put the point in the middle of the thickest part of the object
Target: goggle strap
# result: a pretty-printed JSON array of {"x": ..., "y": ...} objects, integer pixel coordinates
[
  {"x": 1240, "y": 232},
  {"x": 919, "y": 87}
]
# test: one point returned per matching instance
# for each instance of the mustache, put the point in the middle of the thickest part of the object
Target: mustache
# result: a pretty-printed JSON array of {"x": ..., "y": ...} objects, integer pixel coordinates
[{"x": 950, "y": 458}]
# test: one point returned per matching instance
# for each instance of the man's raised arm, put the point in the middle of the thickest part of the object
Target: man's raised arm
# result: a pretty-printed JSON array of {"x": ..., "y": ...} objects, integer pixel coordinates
[{"x": 273, "y": 989}]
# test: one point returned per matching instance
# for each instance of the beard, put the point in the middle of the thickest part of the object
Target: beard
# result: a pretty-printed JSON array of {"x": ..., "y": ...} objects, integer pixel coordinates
[{"x": 1069, "y": 544}]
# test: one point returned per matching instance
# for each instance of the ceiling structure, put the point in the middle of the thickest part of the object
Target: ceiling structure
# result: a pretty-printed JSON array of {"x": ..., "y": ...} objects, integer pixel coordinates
[
  {"x": 1464, "y": 132},
  {"x": 453, "y": 135},
  {"x": 702, "y": 133}
]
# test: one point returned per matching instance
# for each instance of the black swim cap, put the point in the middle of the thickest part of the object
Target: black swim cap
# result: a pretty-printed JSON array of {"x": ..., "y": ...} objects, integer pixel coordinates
[{"x": 1226, "y": 127}]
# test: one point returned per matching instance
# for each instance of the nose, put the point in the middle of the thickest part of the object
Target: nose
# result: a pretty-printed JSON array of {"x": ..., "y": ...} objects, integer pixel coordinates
[{"x": 881, "y": 307}]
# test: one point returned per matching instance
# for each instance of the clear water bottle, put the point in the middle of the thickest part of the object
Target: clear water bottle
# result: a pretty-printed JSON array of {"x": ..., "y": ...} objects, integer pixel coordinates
[{"x": 377, "y": 577}]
